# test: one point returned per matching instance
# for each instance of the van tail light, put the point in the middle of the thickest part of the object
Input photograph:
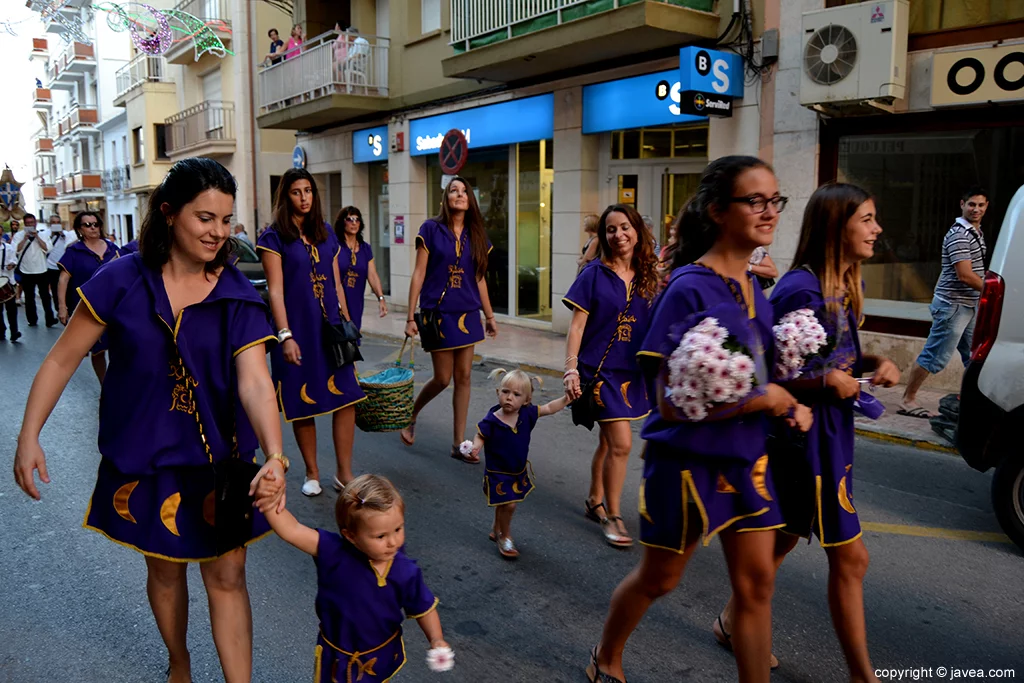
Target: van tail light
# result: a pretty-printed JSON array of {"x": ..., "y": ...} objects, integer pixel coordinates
[{"x": 990, "y": 308}]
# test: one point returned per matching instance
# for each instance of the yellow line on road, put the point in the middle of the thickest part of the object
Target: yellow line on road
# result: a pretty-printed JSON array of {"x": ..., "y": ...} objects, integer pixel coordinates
[{"x": 934, "y": 532}]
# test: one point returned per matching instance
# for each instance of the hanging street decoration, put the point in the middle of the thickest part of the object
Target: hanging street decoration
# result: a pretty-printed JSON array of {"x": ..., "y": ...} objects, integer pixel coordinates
[{"x": 12, "y": 202}]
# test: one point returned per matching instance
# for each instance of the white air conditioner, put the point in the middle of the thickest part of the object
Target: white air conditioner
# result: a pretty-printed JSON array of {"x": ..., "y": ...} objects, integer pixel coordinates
[{"x": 855, "y": 56}]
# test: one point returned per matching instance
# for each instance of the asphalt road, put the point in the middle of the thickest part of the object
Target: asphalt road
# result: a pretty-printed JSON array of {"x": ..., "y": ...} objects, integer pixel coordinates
[{"x": 73, "y": 605}]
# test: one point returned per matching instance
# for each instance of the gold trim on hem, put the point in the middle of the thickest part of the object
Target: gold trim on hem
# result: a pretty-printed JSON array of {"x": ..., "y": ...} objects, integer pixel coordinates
[
  {"x": 268, "y": 249},
  {"x": 836, "y": 545},
  {"x": 88, "y": 305},
  {"x": 420, "y": 242},
  {"x": 572, "y": 304},
  {"x": 433, "y": 607},
  {"x": 455, "y": 348},
  {"x": 762, "y": 528},
  {"x": 625, "y": 419},
  {"x": 248, "y": 346},
  {"x": 280, "y": 405}
]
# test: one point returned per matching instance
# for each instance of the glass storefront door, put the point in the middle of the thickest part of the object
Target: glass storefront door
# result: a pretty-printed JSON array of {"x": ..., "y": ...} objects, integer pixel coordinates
[
  {"x": 378, "y": 223},
  {"x": 656, "y": 191}
]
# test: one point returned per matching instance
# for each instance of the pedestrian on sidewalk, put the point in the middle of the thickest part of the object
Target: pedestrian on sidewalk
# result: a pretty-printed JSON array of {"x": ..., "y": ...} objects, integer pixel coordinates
[
  {"x": 356, "y": 259},
  {"x": 79, "y": 263},
  {"x": 591, "y": 249},
  {"x": 709, "y": 477},
  {"x": 163, "y": 435},
  {"x": 300, "y": 257},
  {"x": 59, "y": 241},
  {"x": 32, "y": 246},
  {"x": 448, "y": 282},
  {"x": 7, "y": 263},
  {"x": 839, "y": 231},
  {"x": 611, "y": 304},
  {"x": 241, "y": 235},
  {"x": 955, "y": 302}
]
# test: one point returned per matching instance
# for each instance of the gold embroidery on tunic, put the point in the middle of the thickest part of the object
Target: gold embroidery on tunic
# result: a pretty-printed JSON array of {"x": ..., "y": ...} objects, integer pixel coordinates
[
  {"x": 455, "y": 274},
  {"x": 350, "y": 278},
  {"x": 318, "y": 283},
  {"x": 180, "y": 399},
  {"x": 624, "y": 332}
]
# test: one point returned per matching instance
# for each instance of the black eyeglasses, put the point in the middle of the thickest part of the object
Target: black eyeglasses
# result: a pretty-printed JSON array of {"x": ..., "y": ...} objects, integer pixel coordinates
[{"x": 759, "y": 203}]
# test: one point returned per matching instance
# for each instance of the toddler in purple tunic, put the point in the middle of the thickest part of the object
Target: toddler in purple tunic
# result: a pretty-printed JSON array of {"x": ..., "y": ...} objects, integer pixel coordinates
[
  {"x": 504, "y": 434},
  {"x": 366, "y": 586}
]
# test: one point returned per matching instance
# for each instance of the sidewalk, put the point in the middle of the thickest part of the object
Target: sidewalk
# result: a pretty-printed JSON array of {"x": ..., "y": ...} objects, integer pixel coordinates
[{"x": 543, "y": 352}]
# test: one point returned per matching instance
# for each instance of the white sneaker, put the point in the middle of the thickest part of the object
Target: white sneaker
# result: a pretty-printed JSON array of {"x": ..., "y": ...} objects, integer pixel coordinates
[{"x": 311, "y": 488}]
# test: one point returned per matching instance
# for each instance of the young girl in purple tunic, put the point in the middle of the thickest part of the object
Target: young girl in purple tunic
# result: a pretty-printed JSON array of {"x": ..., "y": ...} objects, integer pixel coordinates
[
  {"x": 451, "y": 261},
  {"x": 366, "y": 585},
  {"x": 80, "y": 262},
  {"x": 300, "y": 257},
  {"x": 187, "y": 387},
  {"x": 504, "y": 434},
  {"x": 611, "y": 303},
  {"x": 814, "y": 478},
  {"x": 710, "y": 477},
  {"x": 355, "y": 261}
]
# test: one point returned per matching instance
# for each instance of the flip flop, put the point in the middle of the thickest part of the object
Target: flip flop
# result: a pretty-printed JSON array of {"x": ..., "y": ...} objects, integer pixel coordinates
[
  {"x": 412, "y": 434},
  {"x": 594, "y": 673},
  {"x": 725, "y": 640},
  {"x": 917, "y": 411},
  {"x": 468, "y": 459},
  {"x": 591, "y": 512}
]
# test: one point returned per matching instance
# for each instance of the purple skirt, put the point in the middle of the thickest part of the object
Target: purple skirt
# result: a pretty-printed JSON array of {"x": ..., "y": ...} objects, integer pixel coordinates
[
  {"x": 502, "y": 487},
  {"x": 334, "y": 665},
  {"x": 621, "y": 394},
  {"x": 168, "y": 515},
  {"x": 679, "y": 490},
  {"x": 460, "y": 329}
]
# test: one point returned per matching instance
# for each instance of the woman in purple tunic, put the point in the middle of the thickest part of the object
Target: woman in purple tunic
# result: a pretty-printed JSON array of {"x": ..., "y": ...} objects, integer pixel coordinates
[
  {"x": 611, "y": 304},
  {"x": 187, "y": 388},
  {"x": 451, "y": 261},
  {"x": 710, "y": 477},
  {"x": 300, "y": 257},
  {"x": 80, "y": 261},
  {"x": 357, "y": 266},
  {"x": 814, "y": 478}
]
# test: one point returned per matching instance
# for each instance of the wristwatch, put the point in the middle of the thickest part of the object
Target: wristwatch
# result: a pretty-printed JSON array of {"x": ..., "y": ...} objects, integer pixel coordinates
[
  {"x": 380, "y": 298},
  {"x": 285, "y": 462},
  {"x": 283, "y": 335}
]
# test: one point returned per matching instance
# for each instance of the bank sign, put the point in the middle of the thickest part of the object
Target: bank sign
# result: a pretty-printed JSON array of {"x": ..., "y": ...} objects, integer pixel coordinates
[
  {"x": 370, "y": 144},
  {"x": 976, "y": 76},
  {"x": 506, "y": 123},
  {"x": 708, "y": 81}
]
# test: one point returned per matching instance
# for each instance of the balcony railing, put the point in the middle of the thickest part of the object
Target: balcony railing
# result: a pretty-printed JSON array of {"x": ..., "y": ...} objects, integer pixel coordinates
[
  {"x": 142, "y": 69},
  {"x": 209, "y": 11},
  {"x": 357, "y": 66},
  {"x": 47, "y": 192},
  {"x": 40, "y": 46},
  {"x": 42, "y": 98},
  {"x": 44, "y": 145},
  {"x": 87, "y": 182},
  {"x": 208, "y": 122},
  {"x": 80, "y": 116},
  {"x": 75, "y": 58}
]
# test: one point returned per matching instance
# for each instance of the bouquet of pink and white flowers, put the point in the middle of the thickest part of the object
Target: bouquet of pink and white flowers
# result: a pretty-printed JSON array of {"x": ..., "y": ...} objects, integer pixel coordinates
[
  {"x": 708, "y": 367},
  {"x": 799, "y": 337}
]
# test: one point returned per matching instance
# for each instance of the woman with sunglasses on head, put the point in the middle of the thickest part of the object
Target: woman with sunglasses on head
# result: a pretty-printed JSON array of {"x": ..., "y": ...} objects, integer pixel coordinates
[
  {"x": 448, "y": 283},
  {"x": 79, "y": 263},
  {"x": 300, "y": 257},
  {"x": 355, "y": 261}
]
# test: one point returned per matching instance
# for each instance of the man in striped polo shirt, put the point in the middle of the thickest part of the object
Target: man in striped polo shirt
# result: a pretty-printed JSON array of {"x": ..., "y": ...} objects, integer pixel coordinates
[{"x": 955, "y": 302}]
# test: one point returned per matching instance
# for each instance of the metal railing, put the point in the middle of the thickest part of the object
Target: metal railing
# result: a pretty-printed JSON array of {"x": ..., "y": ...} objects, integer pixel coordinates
[
  {"x": 358, "y": 65},
  {"x": 207, "y": 10},
  {"x": 205, "y": 122},
  {"x": 142, "y": 69}
]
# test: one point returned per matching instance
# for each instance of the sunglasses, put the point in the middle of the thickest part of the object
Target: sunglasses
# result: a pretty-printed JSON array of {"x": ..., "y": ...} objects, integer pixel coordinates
[
  {"x": 90, "y": 225},
  {"x": 351, "y": 219}
]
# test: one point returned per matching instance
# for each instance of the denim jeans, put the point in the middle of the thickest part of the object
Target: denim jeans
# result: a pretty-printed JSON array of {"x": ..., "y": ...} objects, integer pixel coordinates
[{"x": 952, "y": 329}]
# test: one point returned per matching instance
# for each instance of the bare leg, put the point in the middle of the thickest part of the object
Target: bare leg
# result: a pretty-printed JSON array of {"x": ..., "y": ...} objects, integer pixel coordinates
[
  {"x": 344, "y": 424},
  {"x": 751, "y": 560},
  {"x": 620, "y": 443},
  {"x": 596, "y": 494},
  {"x": 848, "y": 564},
  {"x": 442, "y": 361},
  {"x": 230, "y": 614},
  {"x": 305, "y": 436},
  {"x": 99, "y": 365},
  {"x": 167, "y": 589},
  {"x": 917, "y": 377},
  {"x": 503, "y": 519},
  {"x": 462, "y": 368}
]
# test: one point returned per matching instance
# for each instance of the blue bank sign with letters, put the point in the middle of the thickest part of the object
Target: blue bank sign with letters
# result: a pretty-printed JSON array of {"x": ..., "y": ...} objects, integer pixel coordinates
[
  {"x": 648, "y": 100},
  {"x": 711, "y": 71},
  {"x": 370, "y": 144},
  {"x": 505, "y": 123}
]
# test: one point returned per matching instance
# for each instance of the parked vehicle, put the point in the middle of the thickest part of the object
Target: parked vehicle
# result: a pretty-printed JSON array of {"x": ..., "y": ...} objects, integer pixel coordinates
[
  {"x": 251, "y": 266},
  {"x": 992, "y": 396}
]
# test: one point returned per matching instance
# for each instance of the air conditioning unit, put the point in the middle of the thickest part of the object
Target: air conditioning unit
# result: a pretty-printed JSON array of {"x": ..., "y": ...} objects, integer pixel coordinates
[{"x": 855, "y": 57}]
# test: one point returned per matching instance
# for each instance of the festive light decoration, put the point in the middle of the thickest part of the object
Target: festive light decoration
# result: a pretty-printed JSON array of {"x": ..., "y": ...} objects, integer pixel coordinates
[
  {"x": 152, "y": 33},
  {"x": 50, "y": 13},
  {"x": 203, "y": 37}
]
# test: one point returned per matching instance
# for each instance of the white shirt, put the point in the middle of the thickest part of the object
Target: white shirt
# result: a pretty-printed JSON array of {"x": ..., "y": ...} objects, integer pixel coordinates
[
  {"x": 34, "y": 262},
  {"x": 59, "y": 242},
  {"x": 7, "y": 261}
]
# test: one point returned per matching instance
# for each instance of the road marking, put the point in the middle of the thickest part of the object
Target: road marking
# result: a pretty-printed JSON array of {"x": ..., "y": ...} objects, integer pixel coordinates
[{"x": 935, "y": 532}]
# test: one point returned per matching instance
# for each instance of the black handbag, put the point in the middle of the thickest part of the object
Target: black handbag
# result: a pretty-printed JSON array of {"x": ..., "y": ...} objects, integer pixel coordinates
[
  {"x": 765, "y": 282},
  {"x": 340, "y": 341},
  {"x": 584, "y": 409},
  {"x": 428, "y": 320}
]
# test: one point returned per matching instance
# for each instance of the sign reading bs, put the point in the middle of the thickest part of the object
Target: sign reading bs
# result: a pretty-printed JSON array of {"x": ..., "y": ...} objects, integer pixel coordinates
[{"x": 710, "y": 71}]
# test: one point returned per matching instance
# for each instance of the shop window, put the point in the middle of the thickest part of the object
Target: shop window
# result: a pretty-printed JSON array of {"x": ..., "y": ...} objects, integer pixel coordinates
[
  {"x": 943, "y": 15},
  {"x": 678, "y": 142},
  {"x": 378, "y": 226},
  {"x": 534, "y": 193}
]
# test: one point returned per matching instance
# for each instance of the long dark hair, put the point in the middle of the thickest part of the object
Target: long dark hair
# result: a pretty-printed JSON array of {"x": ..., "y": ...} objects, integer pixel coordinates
[
  {"x": 339, "y": 220},
  {"x": 696, "y": 230},
  {"x": 313, "y": 227},
  {"x": 184, "y": 182},
  {"x": 474, "y": 220},
  {"x": 77, "y": 227},
  {"x": 828, "y": 211},
  {"x": 645, "y": 265}
]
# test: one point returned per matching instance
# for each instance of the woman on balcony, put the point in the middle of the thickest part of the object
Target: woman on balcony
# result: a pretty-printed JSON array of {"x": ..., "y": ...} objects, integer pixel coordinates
[
  {"x": 356, "y": 260},
  {"x": 300, "y": 257},
  {"x": 294, "y": 42}
]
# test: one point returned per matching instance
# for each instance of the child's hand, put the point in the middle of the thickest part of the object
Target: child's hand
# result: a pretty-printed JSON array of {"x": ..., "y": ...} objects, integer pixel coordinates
[{"x": 440, "y": 657}]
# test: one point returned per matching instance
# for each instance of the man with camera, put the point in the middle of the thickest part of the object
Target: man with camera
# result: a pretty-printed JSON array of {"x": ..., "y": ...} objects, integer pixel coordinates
[{"x": 31, "y": 248}]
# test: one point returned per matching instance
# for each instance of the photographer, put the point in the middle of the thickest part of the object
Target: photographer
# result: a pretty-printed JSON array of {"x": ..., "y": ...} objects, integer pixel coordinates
[{"x": 31, "y": 248}]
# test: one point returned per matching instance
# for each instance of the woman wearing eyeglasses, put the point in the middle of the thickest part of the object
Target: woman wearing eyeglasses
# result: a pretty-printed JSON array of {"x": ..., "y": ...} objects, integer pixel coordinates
[
  {"x": 355, "y": 260},
  {"x": 80, "y": 262}
]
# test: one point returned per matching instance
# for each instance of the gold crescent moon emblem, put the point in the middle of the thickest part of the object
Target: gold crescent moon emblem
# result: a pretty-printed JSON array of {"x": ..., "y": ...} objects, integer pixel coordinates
[
  {"x": 498, "y": 488},
  {"x": 168, "y": 511},
  {"x": 332, "y": 388},
  {"x": 515, "y": 488},
  {"x": 121, "y": 501},
  {"x": 305, "y": 397},
  {"x": 757, "y": 475},
  {"x": 462, "y": 324},
  {"x": 624, "y": 390},
  {"x": 844, "y": 499},
  {"x": 724, "y": 486},
  {"x": 210, "y": 508},
  {"x": 597, "y": 394}
]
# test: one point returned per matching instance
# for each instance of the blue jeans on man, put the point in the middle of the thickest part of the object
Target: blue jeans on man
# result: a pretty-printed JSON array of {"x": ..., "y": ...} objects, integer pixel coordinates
[{"x": 952, "y": 330}]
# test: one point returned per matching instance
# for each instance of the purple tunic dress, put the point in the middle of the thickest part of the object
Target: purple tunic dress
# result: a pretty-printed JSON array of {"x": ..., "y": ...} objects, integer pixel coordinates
[
  {"x": 130, "y": 248},
  {"x": 714, "y": 472},
  {"x": 354, "y": 267},
  {"x": 155, "y": 488},
  {"x": 313, "y": 388},
  {"x": 451, "y": 262},
  {"x": 814, "y": 475},
  {"x": 603, "y": 296},
  {"x": 508, "y": 476},
  {"x": 81, "y": 263},
  {"x": 361, "y": 612}
]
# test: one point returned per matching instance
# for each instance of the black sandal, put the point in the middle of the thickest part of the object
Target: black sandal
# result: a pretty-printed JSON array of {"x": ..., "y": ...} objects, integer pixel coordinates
[
  {"x": 724, "y": 639},
  {"x": 594, "y": 673},
  {"x": 591, "y": 512}
]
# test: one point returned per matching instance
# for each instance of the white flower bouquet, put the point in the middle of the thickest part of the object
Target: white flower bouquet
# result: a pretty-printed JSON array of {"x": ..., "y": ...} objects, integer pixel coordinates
[{"x": 799, "y": 337}]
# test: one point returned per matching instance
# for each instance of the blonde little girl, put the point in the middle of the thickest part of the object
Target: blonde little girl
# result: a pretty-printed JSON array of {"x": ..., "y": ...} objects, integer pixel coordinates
[
  {"x": 505, "y": 436},
  {"x": 366, "y": 586}
]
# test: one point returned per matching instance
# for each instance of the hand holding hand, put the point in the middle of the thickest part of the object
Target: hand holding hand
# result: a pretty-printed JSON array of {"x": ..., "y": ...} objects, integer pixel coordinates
[
  {"x": 268, "y": 487},
  {"x": 27, "y": 459},
  {"x": 572, "y": 386},
  {"x": 842, "y": 385},
  {"x": 292, "y": 352}
]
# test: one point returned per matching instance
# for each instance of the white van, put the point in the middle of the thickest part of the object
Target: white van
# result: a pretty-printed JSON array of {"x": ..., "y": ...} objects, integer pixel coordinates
[{"x": 990, "y": 430}]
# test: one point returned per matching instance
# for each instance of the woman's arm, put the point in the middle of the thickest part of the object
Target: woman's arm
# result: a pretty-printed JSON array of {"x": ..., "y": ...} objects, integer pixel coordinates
[
  {"x": 256, "y": 392},
  {"x": 62, "y": 296},
  {"x": 292, "y": 531},
  {"x": 766, "y": 268},
  {"x": 571, "y": 381},
  {"x": 275, "y": 286},
  {"x": 342, "y": 301},
  {"x": 553, "y": 407},
  {"x": 431, "y": 625},
  {"x": 419, "y": 272},
  {"x": 490, "y": 324},
  {"x": 591, "y": 252},
  {"x": 375, "y": 286},
  {"x": 54, "y": 374}
]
